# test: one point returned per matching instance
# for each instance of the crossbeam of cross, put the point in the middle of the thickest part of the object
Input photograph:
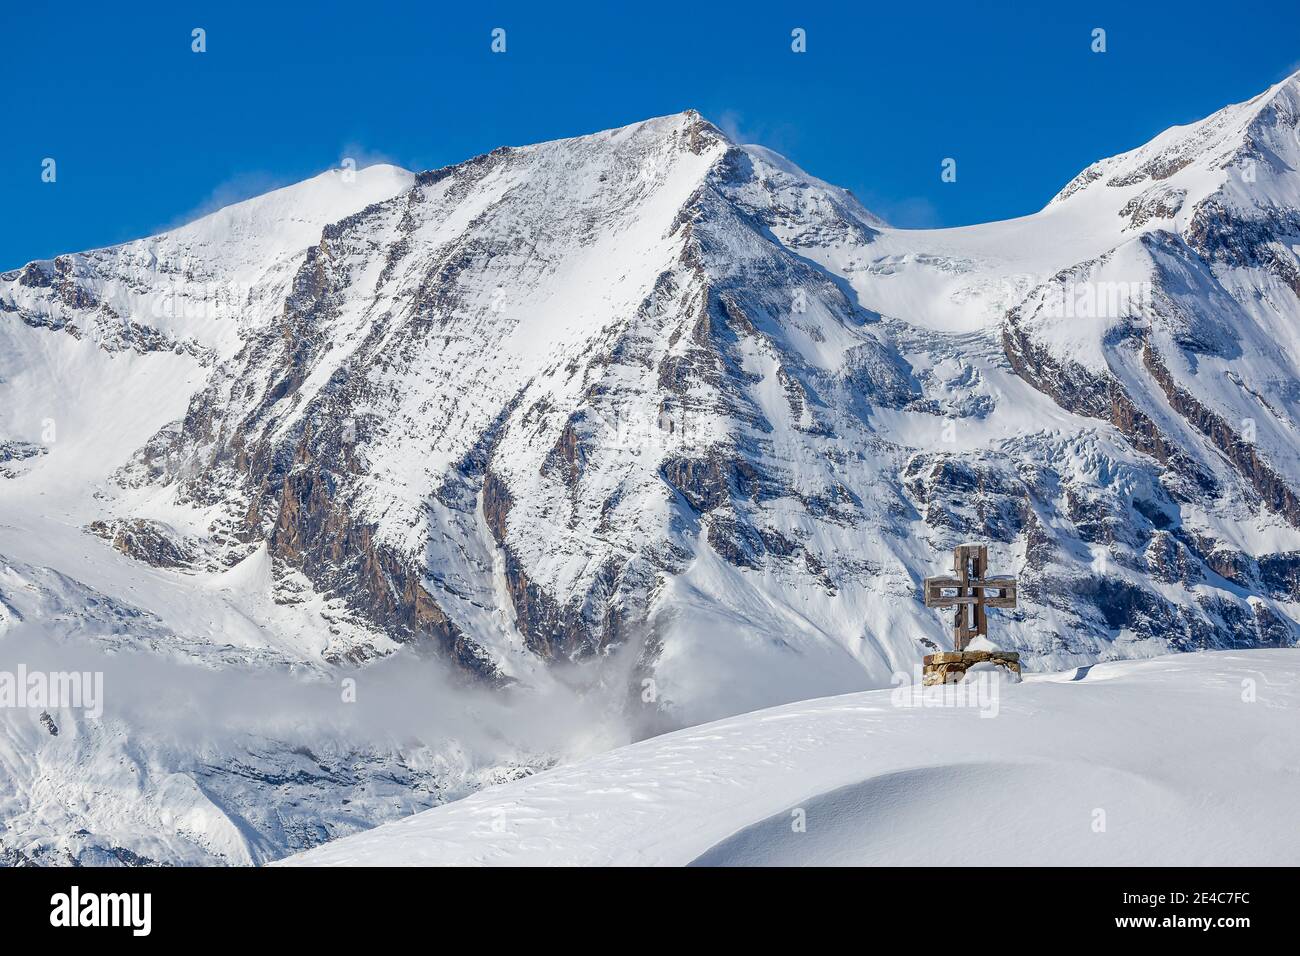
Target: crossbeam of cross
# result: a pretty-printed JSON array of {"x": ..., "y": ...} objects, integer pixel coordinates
[{"x": 970, "y": 589}]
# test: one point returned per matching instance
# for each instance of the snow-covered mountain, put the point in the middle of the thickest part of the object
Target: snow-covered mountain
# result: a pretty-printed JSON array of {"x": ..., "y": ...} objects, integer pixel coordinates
[{"x": 649, "y": 425}]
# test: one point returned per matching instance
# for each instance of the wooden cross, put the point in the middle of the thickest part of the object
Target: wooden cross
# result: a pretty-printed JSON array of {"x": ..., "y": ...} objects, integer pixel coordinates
[{"x": 970, "y": 562}]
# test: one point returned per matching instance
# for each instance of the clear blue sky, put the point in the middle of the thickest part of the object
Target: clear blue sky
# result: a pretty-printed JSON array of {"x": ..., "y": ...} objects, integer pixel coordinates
[{"x": 146, "y": 133}]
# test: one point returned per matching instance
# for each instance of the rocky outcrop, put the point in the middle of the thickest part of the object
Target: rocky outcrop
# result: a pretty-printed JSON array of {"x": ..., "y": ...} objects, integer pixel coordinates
[
  {"x": 1168, "y": 560},
  {"x": 551, "y": 629},
  {"x": 317, "y": 536},
  {"x": 15, "y": 456},
  {"x": 1080, "y": 391},
  {"x": 1280, "y": 573},
  {"x": 970, "y": 497},
  {"x": 1159, "y": 202},
  {"x": 149, "y": 541},
  {"x": 1222, "y": 235},
  {"x": 1075, "y": 388},
  {"x": 1276, "y": 495}
]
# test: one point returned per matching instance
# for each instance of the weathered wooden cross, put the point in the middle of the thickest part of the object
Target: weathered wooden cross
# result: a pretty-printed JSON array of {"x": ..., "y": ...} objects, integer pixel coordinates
[{"x": 970, "y": 562}]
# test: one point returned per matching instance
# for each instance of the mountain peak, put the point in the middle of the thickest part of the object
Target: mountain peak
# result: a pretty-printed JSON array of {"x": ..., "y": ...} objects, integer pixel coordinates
[
  {"x": 688, "y": 126},
  {"x": 1264, "y": 130},
  {"x": 313, "y": 202}
]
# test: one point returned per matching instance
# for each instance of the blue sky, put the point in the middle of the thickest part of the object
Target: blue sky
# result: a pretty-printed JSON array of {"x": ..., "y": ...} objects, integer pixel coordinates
[{"x": 146, "y": 133}]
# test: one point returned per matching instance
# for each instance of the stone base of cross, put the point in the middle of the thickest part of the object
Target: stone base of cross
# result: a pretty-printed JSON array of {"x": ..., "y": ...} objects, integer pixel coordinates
[
  {"x": 949, "y": 667},
  {"x": 969, "y": 590}
]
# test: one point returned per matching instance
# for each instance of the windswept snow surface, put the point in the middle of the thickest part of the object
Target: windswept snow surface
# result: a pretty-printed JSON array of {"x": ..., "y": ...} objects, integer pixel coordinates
[{"x": 1188, "y": 760}]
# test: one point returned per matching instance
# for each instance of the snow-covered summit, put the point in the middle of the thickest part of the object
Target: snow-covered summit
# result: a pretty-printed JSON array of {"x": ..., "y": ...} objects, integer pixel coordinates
[
  {"x": 285, "y": 220},
  {"x": 194, "y": 286},
  {"x": 1255, "y": 142}
]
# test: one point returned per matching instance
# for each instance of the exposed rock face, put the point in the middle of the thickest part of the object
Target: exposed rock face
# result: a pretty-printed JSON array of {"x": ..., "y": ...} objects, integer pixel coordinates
[
  {"x": 1099, "y": 396},
  {"x": 1280, "y": 573},
  {"x": 975, "y": 499},
  {"x": 149, "y": 541},
  {"x": 317, "y": 538},
  {"x": 17, "y": 456},
  {"x": 1170, "y": 561},
  {"x": 1245, "y": 456},
  {"x": 550, "y": 630},
  {"x": 1159, "y": 202}
]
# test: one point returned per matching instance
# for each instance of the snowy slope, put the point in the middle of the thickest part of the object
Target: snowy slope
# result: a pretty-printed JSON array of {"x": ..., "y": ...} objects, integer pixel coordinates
[{"x": 1170, "y": 761}]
